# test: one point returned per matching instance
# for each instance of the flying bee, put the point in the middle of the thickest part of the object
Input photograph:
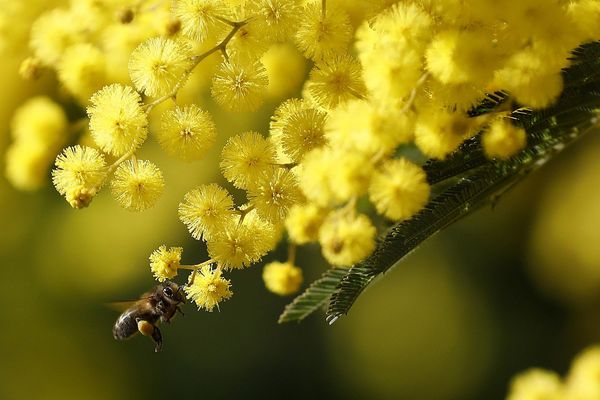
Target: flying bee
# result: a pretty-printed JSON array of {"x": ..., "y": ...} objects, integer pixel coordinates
[{"x": 157, "y": 305}]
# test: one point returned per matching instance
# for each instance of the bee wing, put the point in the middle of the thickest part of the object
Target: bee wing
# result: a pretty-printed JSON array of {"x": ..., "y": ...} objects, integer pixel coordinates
[{"x": 121, "y": 306}]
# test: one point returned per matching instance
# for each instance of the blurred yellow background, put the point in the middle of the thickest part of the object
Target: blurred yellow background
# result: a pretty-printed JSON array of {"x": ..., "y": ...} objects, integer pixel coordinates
[{"x": 501, "y": 291}]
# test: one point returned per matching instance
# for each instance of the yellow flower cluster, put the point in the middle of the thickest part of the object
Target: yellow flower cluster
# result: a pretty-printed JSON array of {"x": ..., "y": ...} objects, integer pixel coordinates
[
  {"x": 581, "y": 383},
  {"x": 39, "y": 130},
  {"x": 385, "y": 75}
]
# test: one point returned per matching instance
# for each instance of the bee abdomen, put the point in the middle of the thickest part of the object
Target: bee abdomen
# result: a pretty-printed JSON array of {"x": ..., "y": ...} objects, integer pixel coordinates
[{"x": 125, "y": 327}]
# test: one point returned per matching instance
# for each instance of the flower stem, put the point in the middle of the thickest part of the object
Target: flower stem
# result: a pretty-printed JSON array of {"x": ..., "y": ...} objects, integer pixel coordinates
[{"x": 222, "y": 46}]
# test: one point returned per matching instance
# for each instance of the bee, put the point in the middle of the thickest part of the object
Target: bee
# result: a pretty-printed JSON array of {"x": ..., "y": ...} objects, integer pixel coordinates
[{"x": 157, "y": 305}]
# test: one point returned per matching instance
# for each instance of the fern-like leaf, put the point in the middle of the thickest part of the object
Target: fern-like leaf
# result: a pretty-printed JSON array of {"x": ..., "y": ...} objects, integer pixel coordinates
[
  {"x": 465, "y": 181},
  {"x": 316, "y": 296},
  {"x": 550, "y": 132}
]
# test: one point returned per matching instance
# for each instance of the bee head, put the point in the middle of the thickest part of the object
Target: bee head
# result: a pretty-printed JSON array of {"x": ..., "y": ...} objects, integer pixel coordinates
[{"x": 173, "y": 292}]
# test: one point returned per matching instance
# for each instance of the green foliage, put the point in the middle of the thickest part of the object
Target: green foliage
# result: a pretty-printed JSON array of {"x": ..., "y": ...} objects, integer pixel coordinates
[
  {"x": 316, "y": 296},
  {"x": 465, "y": 181}
]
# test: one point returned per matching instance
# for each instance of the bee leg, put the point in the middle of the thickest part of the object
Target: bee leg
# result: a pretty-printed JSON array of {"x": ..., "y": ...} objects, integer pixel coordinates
[
  {"x": 148, "y": 329},
  {"x": 180, "y": 312},
  {"x": 157, "y": 337}
]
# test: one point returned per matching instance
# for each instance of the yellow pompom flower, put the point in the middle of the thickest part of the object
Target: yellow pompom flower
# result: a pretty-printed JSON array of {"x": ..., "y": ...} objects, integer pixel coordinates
[
  {"x": 240, "y": 85},
  {"x": 314, "y": 177},
  {"x": 503, "y": 140},
  {"x": 350, "y": 174},
  {"x": 404, "y": 22},
  {"x": 137, "y": 185},
  {"x": 157, "y": 64},
  {"x": 279, "y": 120},
  {"x": 539, "y": 91},
  {"x": 455, "y": 57},
  {"x": 278, "y": 18},
  {"x": 303, "y": 223},
  {"x": 118, "y": 42},
  {"x": 165, "y": 263},
  {"x": 362, "y": 126},
  {"x": 321, "y": 36},
  {"x": 82, "y": 70},
  {"x": 200, "y": 18},
  {"x": 209, "y": 288},
  {"x": 280, "y": 117},
  {"x": 250, "y": 41},
  {"x": 282, "y": 278},
  {"x": 27, "y": 164},
  {"x": 79, "y": 174},
  {"x": 285, "y": 68},
  {"x": 584, "y": 16},
  {"x": 381, "y": 69},
  {"x": 536, "y": 384},
  {"x": 332, "y": 176},
  {"x": 302, "y": 131},
  {"x": 532, "y": 77},
  {"x": 399, "y": 189},
  {"x": 274, "y": 194},
  {"x": 206, "y": 210},
  {"x": 460, "y": 97},
  {"x": 392, "y": 46},
  {"x": 541, "y": 21},
  {"x": 266, "y": 234},
  {"x": 438, "y": 132},
  {"x": 346, "y": 239},
  {"x": 235, "y": 247},
  {"x": 117, "y": 121},
  {"x": 53, "y": 33},
  {"x": 583, "y": 382},
  {"x": 41, "y": 120},
  {"x": 335, "y": 80},
  {"x": 245, "y": 158},
  {"x": 187, "y": 133}
]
